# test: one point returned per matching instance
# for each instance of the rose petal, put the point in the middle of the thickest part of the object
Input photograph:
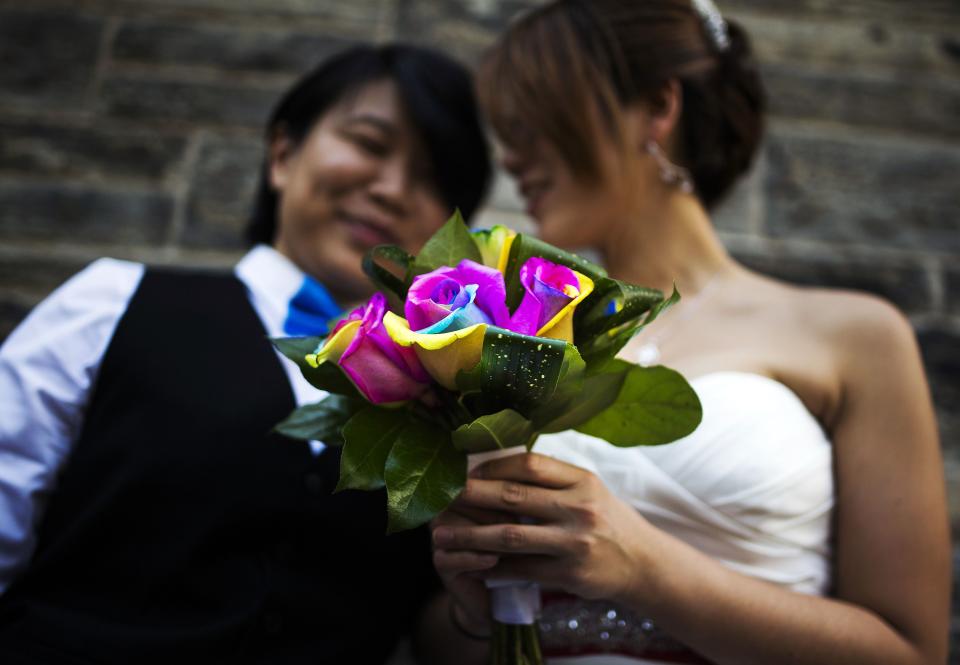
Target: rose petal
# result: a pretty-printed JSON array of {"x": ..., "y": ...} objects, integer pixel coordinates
[
  {"x": 443, "y": 355},
  {"x": 492, "y": 292},
  {"x": 377, "y": 376}
]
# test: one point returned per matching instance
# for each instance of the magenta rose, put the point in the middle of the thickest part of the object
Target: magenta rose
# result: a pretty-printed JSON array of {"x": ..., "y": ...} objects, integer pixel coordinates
[{"x": 382, "y": 370}]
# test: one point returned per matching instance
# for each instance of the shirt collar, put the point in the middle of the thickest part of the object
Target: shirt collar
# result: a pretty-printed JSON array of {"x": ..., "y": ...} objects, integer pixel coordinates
[{"x": 289, "y": 301}]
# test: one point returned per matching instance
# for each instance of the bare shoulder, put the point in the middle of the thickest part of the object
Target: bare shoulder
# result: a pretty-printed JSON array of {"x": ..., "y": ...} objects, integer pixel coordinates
[
  {"x": 853, "y": 324},
  {"x": 859, "y": 327}
]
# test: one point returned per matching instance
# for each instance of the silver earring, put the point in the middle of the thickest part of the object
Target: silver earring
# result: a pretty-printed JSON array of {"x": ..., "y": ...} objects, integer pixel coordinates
[{"x": 670, "y": 173}]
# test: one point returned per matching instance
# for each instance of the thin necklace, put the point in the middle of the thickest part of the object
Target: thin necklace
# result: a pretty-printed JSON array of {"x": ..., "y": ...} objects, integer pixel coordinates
[{"x": 649, "y": 352}]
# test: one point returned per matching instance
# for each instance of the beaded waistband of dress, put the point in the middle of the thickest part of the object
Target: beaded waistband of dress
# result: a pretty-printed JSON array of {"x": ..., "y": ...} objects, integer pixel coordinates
[{"x": 571, "y": 626}]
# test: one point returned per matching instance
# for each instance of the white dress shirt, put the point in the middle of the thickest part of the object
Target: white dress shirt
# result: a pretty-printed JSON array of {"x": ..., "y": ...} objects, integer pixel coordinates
[{"x": 49, "y": 364}]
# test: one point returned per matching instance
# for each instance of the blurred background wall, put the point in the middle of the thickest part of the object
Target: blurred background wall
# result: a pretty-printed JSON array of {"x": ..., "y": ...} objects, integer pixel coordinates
[{"x": 131, "y": 128}]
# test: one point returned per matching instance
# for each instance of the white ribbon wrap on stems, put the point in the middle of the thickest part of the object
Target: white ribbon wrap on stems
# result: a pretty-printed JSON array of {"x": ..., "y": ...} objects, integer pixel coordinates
[{"x": 515, "y": 602}]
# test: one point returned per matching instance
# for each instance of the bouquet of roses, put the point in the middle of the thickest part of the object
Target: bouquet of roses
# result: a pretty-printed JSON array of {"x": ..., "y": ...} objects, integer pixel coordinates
[{"x": 502, "y": 338}]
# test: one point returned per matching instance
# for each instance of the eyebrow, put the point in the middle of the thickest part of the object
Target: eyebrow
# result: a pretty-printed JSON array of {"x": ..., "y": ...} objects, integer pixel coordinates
[{"x": 369, "y": 119}]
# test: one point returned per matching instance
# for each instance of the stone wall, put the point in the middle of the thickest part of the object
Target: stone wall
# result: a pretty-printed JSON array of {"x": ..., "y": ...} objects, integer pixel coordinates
[{"x": 131, "y": 128}]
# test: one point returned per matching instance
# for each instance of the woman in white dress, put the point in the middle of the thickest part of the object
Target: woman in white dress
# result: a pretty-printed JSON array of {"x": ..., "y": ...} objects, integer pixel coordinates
[{"x": 805, "y": 520}]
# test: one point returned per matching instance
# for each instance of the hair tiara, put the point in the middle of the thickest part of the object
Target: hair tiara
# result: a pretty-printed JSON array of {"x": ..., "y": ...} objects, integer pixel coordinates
[{"x": 713, "y": 23}]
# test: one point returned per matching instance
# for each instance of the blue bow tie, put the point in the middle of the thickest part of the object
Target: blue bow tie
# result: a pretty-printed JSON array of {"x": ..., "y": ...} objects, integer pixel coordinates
[{"x": 310, "y": 310}]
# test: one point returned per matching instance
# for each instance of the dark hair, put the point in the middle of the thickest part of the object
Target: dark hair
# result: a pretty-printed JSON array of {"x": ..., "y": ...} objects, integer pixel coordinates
[
  {"x": 569, "y": 67},
  {"x": 436, "y": 93}
]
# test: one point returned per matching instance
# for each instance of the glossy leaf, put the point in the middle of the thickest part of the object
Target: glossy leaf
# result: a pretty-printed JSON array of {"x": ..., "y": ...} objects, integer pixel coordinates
[
  {"x": 321, "y": 421},
  {"x": 600, "y": 337},
  {"x": 656, "y": 405},
  {"x": 504, "y": 429},
  {"x": 597, "y": 391},
  {"x": 448, "y": 247},
  {"x": 519, "y": 371},
  {"x": 569, "y": 389},
  {"x": 423, "y": 474},
  {"x": 368, "y": 438}
]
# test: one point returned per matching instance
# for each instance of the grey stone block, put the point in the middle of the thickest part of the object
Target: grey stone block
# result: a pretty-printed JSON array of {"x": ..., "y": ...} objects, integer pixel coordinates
[
  {"x": 907, "y": 286},
  {"x": 941, "y": 355},
  {"x": 180, "y": 102},
  {"x": 360, "y": 18},
  {"x": 855, "y": 190},
  {"x": 917, "y": 11},
  {"x": 221, "y": 193},
  {"x": 155, "y": 42},
  {"x": 887, "y": 100},
  {"x": 461, "y": 28},
  {"x": 88, "y": 153},
  {"x": 851, "y": 45},
  {"x": 47, "y": 60},
  {"x": 952, "y": 287},
  {"x": 81, "y": 214},
  {"x": 35, "y": 275},
  {"x": 741, "y": 209}
]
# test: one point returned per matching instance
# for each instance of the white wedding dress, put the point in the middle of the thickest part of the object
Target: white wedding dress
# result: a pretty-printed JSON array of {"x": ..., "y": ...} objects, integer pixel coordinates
[{"x": 752, "y": 487}]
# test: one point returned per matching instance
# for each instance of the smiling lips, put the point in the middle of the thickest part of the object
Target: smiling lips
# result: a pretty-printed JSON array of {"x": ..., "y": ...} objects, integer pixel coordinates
[{"x": 366, "y": 231}]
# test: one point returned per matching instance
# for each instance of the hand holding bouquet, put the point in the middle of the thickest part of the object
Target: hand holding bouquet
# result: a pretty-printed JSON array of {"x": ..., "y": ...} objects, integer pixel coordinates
[{"x": 502, "y": 338}]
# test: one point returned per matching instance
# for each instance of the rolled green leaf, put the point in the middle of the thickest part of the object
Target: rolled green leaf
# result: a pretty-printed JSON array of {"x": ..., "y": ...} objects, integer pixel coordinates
[
  {"x": 322, "y": 421},
  {"x": 517, "y": 371},
  {"x": 368, "y": 438},
  {"x": 569, "y": 390},
  {"x": 448, "y": 247},
  {"x": 600, "y": 337},
  {"x": 423, "y": 474},
  {"x": 656, "y": 405}
]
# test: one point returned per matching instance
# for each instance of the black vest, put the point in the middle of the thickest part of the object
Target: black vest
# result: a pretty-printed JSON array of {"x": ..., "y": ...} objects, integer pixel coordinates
[{"x": 183, "y": 531}]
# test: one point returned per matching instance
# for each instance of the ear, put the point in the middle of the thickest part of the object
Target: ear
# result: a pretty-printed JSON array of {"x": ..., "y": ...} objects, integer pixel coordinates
[
  {"x": 280, "y": 154},
  {"x": 655, "y": 120},
  {"x": 665, "y": 114}
]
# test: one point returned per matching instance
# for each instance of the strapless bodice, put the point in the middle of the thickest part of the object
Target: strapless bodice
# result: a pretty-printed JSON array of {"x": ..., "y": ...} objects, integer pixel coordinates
[{"x": 752, "y": 486}]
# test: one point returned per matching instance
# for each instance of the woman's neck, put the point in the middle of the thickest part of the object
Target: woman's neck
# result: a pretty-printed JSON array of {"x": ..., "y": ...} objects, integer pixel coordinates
[{"x": 676, "y": 244}]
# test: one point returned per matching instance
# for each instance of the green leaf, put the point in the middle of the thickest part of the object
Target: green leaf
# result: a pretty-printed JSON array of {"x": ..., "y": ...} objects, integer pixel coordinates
[
  {"x": 525, "y": 247},
  {"x": 601, "y": 336},
  {"x": 597, "y": 391},
  {"x": 368, "y": 438},
  {"x": 656, "y": 405},
  {"x": 520, "y": 371},
  {"x": 328, "y": 376},
  {"x": 504, "y": 429},
  {"x": 297, "y": 348},
  {"x": 660, "y": 307},
  {"x": 569, "y": 388},
  {"x": 448, "y": 247},
  {"x": 321, "y": 421},
  {"x": 424, "y": 473},
  {"x": 385, "y": 279}
]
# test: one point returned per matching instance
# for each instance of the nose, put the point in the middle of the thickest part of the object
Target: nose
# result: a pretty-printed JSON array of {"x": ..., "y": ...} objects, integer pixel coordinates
[
  {"x": 511, "y": 159},
  {"x": 390, "y": 187}
]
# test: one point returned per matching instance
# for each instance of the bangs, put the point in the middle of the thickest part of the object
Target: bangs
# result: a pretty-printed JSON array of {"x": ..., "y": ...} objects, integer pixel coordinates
[{"x": 544, "y": 78}]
